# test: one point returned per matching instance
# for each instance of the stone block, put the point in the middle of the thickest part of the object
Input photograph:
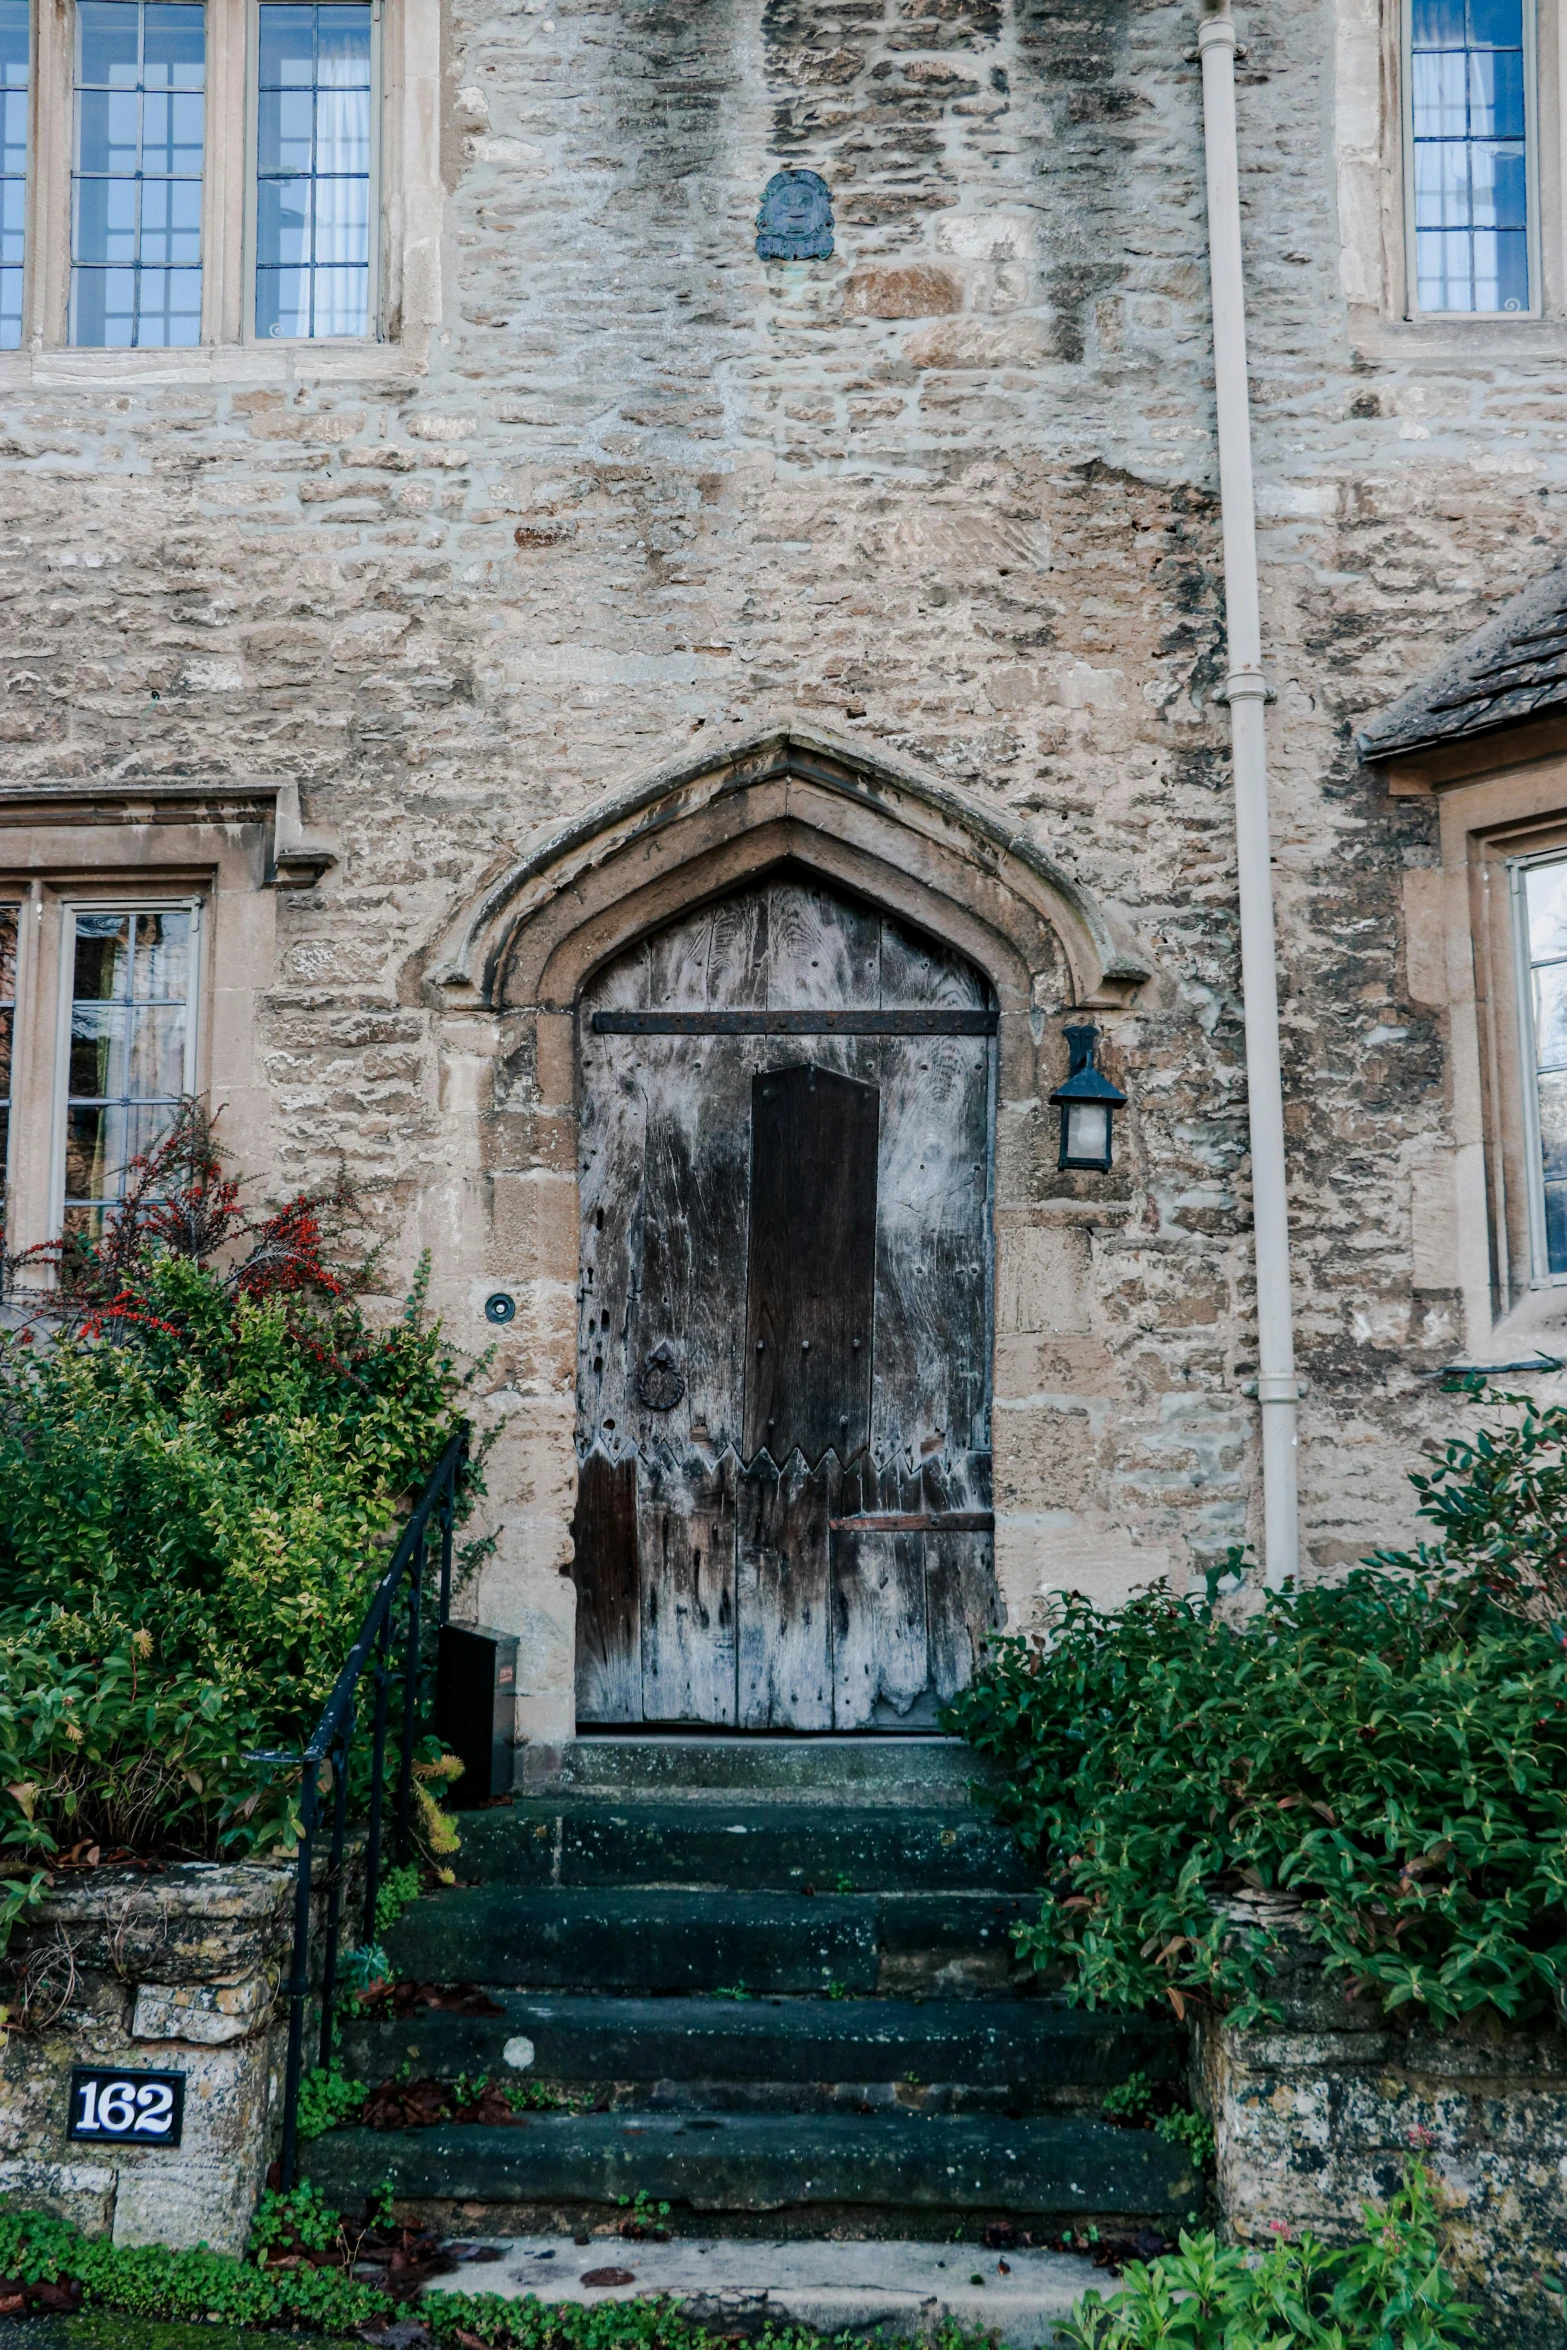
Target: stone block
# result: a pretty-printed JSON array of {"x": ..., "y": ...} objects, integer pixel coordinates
[
  {"x": 1312, "y": 2123},
  {"x": 208, "y": 2015},
  {"x": 1043, "y": 1278},
  {"x": 914, "y": 289},
  {"x": 171, "y": 1972},
  {"x": 81, "y": 2192},
  {"x": 534, "y": 1223}
]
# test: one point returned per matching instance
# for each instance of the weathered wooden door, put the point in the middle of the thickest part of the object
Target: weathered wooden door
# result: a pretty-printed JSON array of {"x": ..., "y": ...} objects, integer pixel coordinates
[{"x": 783, "y": 1434}]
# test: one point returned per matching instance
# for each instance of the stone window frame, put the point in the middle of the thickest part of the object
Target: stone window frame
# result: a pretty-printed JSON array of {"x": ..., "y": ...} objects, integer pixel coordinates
[
  {"x": 407, "y": 214},
  {"x": 1499, "y": 800},
  {"x": 231, "y": 848},
  {"x": 1373, "y": 186}
]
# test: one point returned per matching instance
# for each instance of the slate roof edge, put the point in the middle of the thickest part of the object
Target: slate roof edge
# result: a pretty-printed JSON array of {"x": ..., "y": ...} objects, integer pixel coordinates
[{"x": 1409, "y": 724}]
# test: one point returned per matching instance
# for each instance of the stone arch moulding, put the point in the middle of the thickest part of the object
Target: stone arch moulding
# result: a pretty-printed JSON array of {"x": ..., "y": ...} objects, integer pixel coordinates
[{"x": 711, "y": 821}]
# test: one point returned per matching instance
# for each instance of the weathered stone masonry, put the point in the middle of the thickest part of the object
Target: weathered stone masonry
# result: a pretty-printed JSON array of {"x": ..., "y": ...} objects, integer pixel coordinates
[{"x": 948, "y": 496}]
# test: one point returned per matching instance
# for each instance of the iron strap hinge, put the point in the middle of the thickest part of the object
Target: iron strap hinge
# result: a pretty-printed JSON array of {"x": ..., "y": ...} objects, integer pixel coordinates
[{"x": 941, "y": 1022}]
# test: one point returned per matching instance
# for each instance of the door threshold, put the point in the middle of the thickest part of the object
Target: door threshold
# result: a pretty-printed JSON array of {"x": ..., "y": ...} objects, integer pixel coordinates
[{"x": 709, "y": 1731}]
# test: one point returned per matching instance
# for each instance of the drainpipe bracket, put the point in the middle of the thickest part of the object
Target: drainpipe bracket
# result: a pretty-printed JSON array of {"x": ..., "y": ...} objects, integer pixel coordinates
[
  {"x": 1274, "y": 1387},
  {"x": 1245, "y": 685}
]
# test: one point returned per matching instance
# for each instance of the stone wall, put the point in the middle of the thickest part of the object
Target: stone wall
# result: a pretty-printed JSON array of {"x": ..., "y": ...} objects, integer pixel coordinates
[
  {"x": 176, "y": 1972},
  {"x": 1315, "y": 2116},
  {"x": 949, "y": 495}
]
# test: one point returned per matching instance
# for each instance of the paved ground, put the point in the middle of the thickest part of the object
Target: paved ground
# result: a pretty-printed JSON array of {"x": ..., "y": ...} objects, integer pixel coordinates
[{"x": 908, "y": 2287}]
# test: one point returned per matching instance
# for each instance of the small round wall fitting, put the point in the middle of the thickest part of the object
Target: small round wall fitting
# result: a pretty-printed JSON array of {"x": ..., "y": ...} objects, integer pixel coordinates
[{"x": 498, "y": 1307}]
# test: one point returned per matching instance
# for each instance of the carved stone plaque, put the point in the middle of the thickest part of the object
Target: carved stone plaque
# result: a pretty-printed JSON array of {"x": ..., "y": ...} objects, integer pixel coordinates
[{"x": 795, "y": 220}]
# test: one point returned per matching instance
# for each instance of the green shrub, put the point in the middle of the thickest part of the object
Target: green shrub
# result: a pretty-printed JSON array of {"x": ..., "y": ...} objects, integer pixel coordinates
[
  {"x": 1194, "y": 2131},
  {"x": 1388, "y": 2292},
  {"x": 399, "y": 1889},
  {"x": 327, "y": 2099},
  {"x": 1392, "y": 1750},
  {"x": 1499, "y": 1499},
  {"x": 204, "y": 1450}
]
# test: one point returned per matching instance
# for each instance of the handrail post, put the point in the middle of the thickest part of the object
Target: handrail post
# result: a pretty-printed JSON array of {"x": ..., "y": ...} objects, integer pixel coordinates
[
  {"x": 299, "y": 1975},
  {"x": 448, "y": 1512},
  {"x": 334, "y": 1896},
  {"x": 377, "y": 1777},
  {"x": 405, "y": 1769}
]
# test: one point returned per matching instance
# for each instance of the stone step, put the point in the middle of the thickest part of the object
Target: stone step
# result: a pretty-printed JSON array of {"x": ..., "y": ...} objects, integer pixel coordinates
[
  {"x": 675, "y": 1940},
  {"x": 907, "y": 2289},
  {"x": 926, "y": 1770},
  {"x": 1025, "y": 2051},
  {"x": 1056, "y": 2169},
  {"x": 596, "y": 1840}
]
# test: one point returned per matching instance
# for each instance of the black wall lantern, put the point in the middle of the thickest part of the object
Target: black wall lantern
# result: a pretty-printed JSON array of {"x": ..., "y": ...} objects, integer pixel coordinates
[{"x": 1088, "y": 1103}]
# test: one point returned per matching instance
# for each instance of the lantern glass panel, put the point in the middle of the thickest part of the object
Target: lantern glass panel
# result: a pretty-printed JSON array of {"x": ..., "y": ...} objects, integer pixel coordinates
[{"x": 1088, "y": 1131}]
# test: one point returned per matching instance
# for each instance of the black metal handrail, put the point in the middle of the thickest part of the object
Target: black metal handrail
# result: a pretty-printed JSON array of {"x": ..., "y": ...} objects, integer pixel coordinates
[{"x": 331, "y": 1742}]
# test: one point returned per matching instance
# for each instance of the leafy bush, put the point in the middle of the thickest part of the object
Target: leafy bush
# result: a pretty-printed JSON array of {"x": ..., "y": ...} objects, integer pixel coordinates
[
  {"x": 327, "y": 2099},
  {"x": 1194, "y": 2131},
  {"x": 399, "y": 1889},
  {"x": 1391, "y": 1750},
  {"x": 205, "y": 1444},
  {"x": 1500, "y": 1500},
  {"x": 1388, "y": 2292}
]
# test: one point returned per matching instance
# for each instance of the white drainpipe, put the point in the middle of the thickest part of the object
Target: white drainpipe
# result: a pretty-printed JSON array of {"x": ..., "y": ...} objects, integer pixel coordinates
[{"x": 1276, "y": 1384}]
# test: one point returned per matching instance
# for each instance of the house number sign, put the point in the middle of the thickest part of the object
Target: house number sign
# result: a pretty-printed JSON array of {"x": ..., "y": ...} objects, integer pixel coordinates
[{"x": 109, "y": 2106}]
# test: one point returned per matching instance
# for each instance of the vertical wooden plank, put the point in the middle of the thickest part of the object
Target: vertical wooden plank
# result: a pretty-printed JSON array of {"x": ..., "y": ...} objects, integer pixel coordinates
[
  {"x": 822, "y": 949},
  {"x": 686, "y": 1546},
  {"x": 677, "y": 961},
  {"x": 604, "y": 1530},
  {"x": 737, "y": 961},
  {"x": 917, "y": 972},
  {"x": 933, "y": 1236},
  {"x": 961, "y": 1606},
  {"x": 690, "y": 1295},
  {"x": 785, "y": 1632},
  {"x": 611, "y": 1135},
  {"x": 809, "y": 1296},
  {"x": 932, "y": 1268},
  {"x": 879, "y": 1643}
]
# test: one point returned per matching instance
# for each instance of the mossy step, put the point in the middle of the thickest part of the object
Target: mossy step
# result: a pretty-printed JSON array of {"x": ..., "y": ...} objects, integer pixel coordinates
[
  {"x": 1052, "y": 2169},
  {"x": 1027, "y": 2048},
  {"x": 676, "y": 1940},
  {"x": 830, "y": 1770},
  {"x": 598, "y": 1840}
]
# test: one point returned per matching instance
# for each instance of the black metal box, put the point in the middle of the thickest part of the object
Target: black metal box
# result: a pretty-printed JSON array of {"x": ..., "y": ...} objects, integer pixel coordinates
[{"x": 475, "y": 1690}]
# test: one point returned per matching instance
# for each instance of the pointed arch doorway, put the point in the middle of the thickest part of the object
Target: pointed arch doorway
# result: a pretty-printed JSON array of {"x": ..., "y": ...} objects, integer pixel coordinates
[{"x": 783, "y": 1520}]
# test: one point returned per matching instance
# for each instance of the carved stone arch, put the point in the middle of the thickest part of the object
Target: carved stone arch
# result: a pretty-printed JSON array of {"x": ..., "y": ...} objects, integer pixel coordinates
[
  {"x": 874, "y": 825},
  {"x": 507, "y": 980}
]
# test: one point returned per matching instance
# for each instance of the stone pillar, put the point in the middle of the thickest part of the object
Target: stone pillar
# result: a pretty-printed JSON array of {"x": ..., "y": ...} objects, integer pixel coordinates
[
  {"x": 176, "y": 1971},
  {"x": 1315, "y": 2115}
]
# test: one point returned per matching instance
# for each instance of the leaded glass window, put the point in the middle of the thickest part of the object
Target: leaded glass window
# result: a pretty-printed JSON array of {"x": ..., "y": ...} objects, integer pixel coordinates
[
  {"x": 313, "y": 160},
  {"x": 1470, "y": 140},
  {"x": 13, "y": 167},
  {"x": 130, "y": 1049},
  {"x": 136, "y": 186}
]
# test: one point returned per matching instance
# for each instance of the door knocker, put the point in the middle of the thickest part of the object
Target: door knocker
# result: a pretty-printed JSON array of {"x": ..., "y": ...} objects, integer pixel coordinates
[{"x": 659, "y": 1384}]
